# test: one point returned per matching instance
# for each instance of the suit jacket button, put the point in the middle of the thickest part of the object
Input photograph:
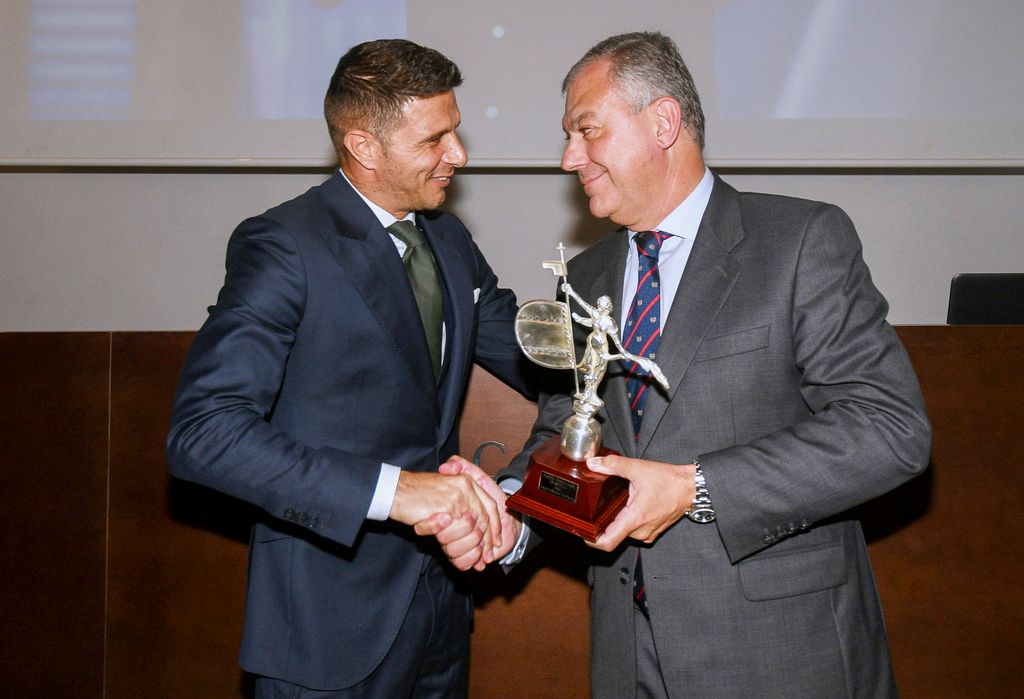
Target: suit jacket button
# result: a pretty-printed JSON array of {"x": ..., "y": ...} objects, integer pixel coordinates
[
  {"x": 624, "y": 576},
  {"x": 289, "y": 514},
  {"x": 313, "y": 521},
  {"x": 300, "y": 517}
]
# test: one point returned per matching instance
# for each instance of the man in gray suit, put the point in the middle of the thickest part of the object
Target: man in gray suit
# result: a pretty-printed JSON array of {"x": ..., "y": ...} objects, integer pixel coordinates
[{"x": 791, "y": 401}]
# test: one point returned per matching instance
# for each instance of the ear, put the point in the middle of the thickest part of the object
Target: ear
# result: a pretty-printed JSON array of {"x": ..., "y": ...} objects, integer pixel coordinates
[
  {"x": 669, "y": 117},
  {"x": 363, "y": 147}
]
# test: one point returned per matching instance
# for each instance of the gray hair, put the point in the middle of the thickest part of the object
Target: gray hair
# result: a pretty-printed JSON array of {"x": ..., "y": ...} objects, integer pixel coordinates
[{"x": 644, "y": 67}]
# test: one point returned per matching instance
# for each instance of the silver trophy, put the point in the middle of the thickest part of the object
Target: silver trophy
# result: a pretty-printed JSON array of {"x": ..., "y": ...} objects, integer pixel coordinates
[
  {"x": 544, "y": 332},
  {"x": 559, "y": 488}
]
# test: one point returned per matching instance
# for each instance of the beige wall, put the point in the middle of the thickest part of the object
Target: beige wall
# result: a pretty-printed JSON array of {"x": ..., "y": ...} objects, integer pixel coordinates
[{"x": 143, "y": 250}]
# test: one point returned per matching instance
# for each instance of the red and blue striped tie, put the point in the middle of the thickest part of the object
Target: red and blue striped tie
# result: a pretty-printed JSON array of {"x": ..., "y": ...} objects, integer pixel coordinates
[
  {"x": 643, "y": 322},
  {"x": 643, "y": 331}
]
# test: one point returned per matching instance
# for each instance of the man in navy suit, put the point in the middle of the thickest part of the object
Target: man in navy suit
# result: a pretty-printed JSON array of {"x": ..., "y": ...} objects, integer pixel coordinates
[{"x": 318, "y": 390}]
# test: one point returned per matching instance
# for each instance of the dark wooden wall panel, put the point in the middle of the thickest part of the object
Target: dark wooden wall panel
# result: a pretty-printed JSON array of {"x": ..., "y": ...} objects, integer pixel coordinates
[
  {"x": 53, "y": 480},
  {"x": 178, "y": 552},
  {"x": 540, "y": 612},
  {"x": 947, "y": 548}
]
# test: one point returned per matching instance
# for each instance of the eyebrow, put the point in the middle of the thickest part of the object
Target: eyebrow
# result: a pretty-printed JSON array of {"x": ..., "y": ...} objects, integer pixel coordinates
[
  {"x": 436, "y": 136},
  {"x": 439, "y": 134},
  {"x": 580, "y": 117}
]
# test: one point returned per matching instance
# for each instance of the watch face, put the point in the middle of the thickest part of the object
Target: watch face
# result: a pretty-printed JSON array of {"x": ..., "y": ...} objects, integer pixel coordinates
[{"x": 702, "y": 516}]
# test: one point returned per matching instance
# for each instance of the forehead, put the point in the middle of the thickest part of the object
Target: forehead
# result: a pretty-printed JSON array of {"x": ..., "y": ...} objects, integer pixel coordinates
[{"x": 592, "y": 94}]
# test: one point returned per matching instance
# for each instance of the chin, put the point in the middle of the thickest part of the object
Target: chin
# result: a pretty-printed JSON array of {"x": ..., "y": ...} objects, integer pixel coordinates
[
  {"x": 427, "y": 204},
  {"x": 599, "y": 211}
]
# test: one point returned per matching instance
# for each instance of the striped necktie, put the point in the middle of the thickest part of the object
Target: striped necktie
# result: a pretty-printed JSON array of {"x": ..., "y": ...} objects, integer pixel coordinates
[
  {"x": 426, "y": 284},
  {"x": 643, "y": 322},
  {"x": 643, "y": 331}
]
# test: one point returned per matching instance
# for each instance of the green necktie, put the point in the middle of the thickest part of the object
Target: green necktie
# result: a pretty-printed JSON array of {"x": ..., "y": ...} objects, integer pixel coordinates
[{"x": 426, "y": 284}]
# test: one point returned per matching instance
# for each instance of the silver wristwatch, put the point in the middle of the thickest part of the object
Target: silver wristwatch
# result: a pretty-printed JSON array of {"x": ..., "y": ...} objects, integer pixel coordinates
[{"x": 701, "y": 511}]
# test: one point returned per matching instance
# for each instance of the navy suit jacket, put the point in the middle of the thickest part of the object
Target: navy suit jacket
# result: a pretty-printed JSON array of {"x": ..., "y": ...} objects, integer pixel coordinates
[{"x": 311, "y": 370}]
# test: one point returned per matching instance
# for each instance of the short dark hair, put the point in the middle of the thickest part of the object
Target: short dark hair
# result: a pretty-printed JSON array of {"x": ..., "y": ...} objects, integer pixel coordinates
[
  {"x": 374, "y": 80},
  {"x": 644, "y": 67}
]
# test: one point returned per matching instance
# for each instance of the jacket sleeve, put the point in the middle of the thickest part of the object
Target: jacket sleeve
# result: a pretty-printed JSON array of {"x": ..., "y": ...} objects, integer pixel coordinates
[
  {"x": 221, "y": 432},
  {"x": 866, "y": 430}
]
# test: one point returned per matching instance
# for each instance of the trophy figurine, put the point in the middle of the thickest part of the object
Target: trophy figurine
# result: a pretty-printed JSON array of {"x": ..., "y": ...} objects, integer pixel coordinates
[{"x": 559, "y": 488}]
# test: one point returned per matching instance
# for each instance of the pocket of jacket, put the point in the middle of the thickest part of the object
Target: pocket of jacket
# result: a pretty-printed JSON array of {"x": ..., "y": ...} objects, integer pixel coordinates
[
  {"x": 273, "y": 536},
  {"x": 799, "y": 572},
  {"x": 739, "y": 342}
]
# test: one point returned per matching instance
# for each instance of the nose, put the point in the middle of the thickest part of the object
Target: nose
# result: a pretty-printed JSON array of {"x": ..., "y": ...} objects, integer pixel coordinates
[
  {"x": 455, "y": 153},
  {"x": 575, "y": 155}
]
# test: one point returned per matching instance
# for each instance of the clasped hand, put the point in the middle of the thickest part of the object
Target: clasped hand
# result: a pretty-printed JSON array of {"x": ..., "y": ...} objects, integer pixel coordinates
[{"x": 462, "y": 507}]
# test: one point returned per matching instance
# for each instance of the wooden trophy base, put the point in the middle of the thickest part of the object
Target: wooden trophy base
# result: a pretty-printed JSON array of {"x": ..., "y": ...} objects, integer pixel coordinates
[{"x": 568, "y": 495}]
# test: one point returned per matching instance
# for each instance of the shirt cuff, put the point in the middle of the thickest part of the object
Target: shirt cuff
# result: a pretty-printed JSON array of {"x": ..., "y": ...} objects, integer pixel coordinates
[
  {"x": 511, "y": 486},
  {"x": 384, "y": 494}
]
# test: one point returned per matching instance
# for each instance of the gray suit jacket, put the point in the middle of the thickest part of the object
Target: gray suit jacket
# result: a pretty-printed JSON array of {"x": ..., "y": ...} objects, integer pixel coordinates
[{"x": 800, "y": 403}]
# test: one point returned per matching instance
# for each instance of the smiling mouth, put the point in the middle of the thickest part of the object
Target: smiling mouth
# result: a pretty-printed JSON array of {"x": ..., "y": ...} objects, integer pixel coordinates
[{"x": 586, "y": 182}]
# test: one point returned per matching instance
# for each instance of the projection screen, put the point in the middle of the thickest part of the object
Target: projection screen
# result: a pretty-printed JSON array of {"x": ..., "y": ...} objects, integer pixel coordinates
[{"x": 845, "y": 83}]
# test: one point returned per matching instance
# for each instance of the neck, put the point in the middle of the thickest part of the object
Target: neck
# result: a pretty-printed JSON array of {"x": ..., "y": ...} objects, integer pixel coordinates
[
  {"x": 677, "y": 187},
  {"x": 365, "y": 182}
]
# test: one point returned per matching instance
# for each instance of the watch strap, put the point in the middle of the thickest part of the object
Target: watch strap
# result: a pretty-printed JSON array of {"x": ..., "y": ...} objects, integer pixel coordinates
[{"x": 701, "y": 511}]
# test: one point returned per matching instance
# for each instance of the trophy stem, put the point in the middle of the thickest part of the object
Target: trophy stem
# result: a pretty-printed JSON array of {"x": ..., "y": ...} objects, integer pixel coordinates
[
  {"x": 568, "y": 327},
  {"x": 581, "y": 437}
]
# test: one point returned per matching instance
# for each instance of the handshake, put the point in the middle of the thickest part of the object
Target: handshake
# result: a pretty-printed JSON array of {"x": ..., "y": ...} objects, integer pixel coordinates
[
  {"x": 462, "y": 507},
  {"x": 465, "y": 509}
]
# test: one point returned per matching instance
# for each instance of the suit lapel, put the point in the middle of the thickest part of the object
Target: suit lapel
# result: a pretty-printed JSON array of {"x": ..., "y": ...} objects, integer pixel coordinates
[
  {"x": 362, "y": 246},
  {"x": 706, "y": 283}
]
